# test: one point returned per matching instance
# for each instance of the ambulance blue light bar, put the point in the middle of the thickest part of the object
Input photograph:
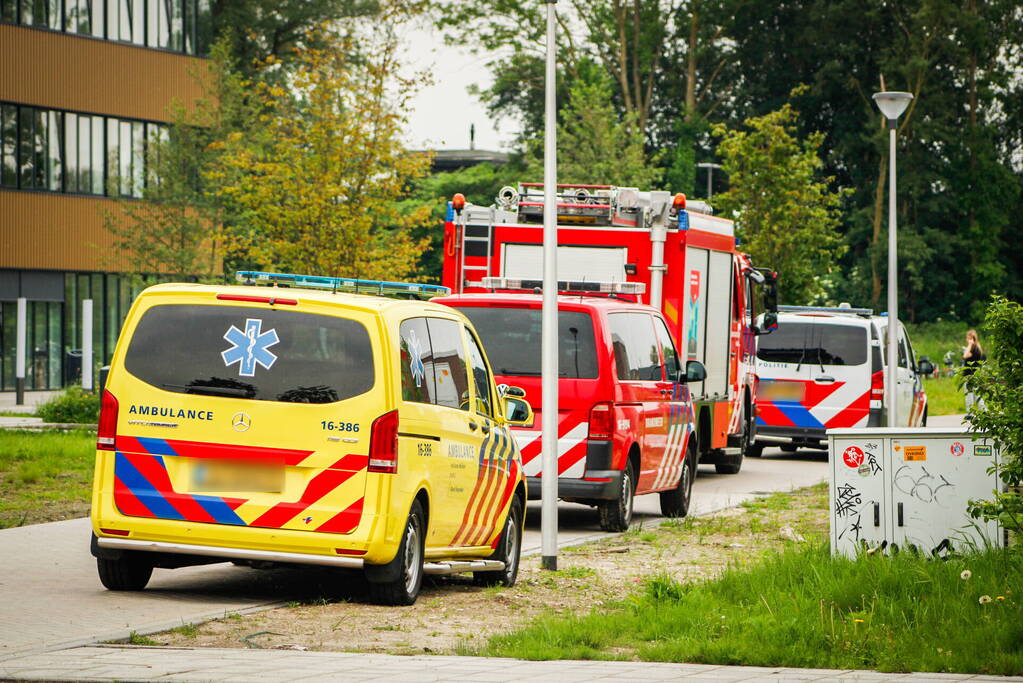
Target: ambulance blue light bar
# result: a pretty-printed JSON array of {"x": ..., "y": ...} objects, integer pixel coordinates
[
  {"x": 826, "y": 309},
  {"x": 584, "y": 286},
  {"x": 343, "y": 284}
]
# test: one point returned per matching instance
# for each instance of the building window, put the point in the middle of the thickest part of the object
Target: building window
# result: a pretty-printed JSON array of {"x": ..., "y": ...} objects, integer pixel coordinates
[
  {"x": 175, "y": 25},
  {"x": 57, "y": 151}
]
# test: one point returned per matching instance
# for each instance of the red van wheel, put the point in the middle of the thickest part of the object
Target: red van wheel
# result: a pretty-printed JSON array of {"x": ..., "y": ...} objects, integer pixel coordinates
[
  {"x": 676, "y": 502},
  {"x": 615, "y": 515}
]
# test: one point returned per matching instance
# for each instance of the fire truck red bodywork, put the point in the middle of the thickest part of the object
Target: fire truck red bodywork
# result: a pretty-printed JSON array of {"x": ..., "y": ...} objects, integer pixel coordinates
[{"x": 706, "y": 294}]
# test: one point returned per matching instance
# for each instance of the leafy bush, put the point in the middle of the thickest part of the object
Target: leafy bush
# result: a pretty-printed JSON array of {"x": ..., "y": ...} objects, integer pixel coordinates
[
  {"x": 998, "y": 384},
  {"x": 74, "y": 405}
]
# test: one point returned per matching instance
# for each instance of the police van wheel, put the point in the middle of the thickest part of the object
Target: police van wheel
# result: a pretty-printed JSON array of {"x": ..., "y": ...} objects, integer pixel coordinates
[
  {"x": 125, "y": 574},
  {"x": 615, "y": 515},
  {"x": 675, "y": 503},
  {"x": 755, "y": 450},
  {"x": 509, "y": 547},
  {"x": 788, "y": 448},
  {"x": 398, "y": 582}
]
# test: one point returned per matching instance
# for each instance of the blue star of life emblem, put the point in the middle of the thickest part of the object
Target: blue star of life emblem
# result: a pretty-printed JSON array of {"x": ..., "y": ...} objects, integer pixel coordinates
[
  {"x": 415, "y": 351},
  {"x": 250, "y": 347}
]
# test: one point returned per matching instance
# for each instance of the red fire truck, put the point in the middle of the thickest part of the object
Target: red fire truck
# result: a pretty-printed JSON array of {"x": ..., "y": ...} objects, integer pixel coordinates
[{"x": 685, "y": 256}]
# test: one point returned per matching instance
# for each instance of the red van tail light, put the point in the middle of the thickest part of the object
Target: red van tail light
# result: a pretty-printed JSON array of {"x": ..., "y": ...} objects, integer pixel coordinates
[
  {"x": 600, "y": 421},
  {"x": 106, "y": 431},
  {"x": 877, "y": 386},
  {"x": 383, "y": 444}
]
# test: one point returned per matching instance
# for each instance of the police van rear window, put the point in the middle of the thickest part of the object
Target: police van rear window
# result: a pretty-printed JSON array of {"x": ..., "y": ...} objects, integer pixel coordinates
[
  {"x": 511, "y": 337},
  {"x": 814, "y": 344},
  {"x": 251, "y": 353}
]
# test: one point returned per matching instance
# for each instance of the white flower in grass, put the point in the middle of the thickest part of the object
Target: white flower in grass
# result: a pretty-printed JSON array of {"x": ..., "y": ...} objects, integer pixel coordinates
[
  {"x": 966, "y": 573},
  {"x": 984, "y": 599}
]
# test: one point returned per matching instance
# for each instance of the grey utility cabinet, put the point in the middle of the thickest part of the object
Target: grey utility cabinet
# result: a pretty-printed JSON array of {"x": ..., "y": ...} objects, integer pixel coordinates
[{"x": 896, "y": 488}]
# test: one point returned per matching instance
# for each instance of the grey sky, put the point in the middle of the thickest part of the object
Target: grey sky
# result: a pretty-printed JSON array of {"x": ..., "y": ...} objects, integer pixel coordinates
[{"x": 441, "y": 113}]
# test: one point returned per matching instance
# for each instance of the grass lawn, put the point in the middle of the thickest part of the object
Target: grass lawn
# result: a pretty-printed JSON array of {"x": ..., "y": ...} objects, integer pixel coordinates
[
  {"x": 799, "y": 607},
  {"x": 45, "y": 476},
  {"x": 944, "y": 397}
]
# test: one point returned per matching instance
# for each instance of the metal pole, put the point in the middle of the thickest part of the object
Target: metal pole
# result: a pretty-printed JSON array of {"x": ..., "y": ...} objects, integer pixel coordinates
[
  {"x": 710, "y": 182},
  {"x": 20, "y": 341},
  {"x": 549, "y": 327},
  {"x": 87, "y": 344},
  {"x": 893, "y": 292}
]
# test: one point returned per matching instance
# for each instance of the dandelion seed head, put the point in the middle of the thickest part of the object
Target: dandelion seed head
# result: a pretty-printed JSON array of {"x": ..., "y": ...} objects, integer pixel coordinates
[
  {"x": 984, "y": 599},
  {"x": 966, "y": 573}
]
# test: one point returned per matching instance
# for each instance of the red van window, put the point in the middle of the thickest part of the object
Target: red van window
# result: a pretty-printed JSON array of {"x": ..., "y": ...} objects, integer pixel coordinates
[{"x": 635, "y": 346}]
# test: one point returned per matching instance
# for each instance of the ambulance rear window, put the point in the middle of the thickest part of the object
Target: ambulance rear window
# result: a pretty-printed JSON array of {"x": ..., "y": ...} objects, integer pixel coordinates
[
  {"x": 511, "y": 337},
  {"x": 814, "y": 344},
  {"x": 241, "y": 352}
]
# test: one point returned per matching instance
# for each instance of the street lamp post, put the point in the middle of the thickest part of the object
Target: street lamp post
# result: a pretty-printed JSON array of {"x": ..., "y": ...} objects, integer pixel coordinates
[
  {"x": 892, "y": 104},
  {"x": 549, "y": 315},
  {"x": 710, "y": 176}
]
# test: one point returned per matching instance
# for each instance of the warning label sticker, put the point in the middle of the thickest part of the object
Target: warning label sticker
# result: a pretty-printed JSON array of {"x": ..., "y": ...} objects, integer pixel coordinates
[
  {"x": 914, "y": 453},
  {"x": 853, "y": 456}
]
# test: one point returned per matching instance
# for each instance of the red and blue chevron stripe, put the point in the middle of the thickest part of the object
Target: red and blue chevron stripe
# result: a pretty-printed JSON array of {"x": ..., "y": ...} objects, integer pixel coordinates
[{"x": 143, "y": 487}]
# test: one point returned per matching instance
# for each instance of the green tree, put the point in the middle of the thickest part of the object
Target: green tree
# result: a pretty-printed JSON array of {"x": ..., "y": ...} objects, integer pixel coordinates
[
  {"x": 480, "y": 185},
  {"x": 173, "y": 231},
  {"x": 315, "y": 187},
  {"x": 785, "y": 213},
  {"x": 595, "y": 145},
  {"x": 998, "y": 384}
]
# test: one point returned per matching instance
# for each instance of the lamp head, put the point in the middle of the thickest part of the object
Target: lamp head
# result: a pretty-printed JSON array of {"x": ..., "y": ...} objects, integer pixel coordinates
[{"x": 892, "y": 104}]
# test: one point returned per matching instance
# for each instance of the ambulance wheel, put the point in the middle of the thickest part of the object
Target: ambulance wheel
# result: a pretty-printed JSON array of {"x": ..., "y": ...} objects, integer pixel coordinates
[
  {"x": 509, "y": 547},
  {"x": 615, "y": 515},
  {"x": 675, "y": 503},
  {"x": 126, "y": 574},
  {"x": 398, "y": 582}
]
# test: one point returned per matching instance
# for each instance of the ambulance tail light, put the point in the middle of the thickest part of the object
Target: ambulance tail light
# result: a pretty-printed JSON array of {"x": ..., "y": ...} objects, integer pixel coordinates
[
  {"x": 106, "y": 431},
  {"x": 383, "y": 444},
  {"x": 601, "y": 426},
  {"x": 877, "y": 389}
]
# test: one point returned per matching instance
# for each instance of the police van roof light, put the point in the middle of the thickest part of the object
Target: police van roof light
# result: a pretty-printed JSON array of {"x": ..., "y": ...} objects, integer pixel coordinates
[
  {"x": 567, "y": 285},
  {"x": 343, "y": 284}
]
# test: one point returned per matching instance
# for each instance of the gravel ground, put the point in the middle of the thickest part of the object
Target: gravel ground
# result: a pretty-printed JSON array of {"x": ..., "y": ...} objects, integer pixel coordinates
[{"x": 452, "y": 613}]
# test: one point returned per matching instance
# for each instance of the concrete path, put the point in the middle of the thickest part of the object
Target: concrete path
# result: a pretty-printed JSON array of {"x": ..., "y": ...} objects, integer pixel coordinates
[{"x": 196, "y": 664}]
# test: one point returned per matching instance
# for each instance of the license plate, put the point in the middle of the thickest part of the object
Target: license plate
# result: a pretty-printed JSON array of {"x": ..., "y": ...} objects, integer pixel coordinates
[
  {"x": 215, "y": 476},
  {"x": 782, "y": 391}
]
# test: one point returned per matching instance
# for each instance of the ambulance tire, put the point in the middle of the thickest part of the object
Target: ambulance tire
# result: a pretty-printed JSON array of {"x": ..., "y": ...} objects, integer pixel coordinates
[
  {"x": 398, "y": 582},
  {"x": 128, "y": 573},
  {"x": 616, "y": 515},
  {"x": 675, "y": 503},
  {"x": 509, "y": 548}
]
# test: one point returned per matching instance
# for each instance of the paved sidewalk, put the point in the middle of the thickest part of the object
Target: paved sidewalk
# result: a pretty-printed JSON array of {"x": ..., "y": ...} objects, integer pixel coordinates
[{"x": 198, "y": 664}]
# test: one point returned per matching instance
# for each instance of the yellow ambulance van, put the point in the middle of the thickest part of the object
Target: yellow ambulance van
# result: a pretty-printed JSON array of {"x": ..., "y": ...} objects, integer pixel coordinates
[{"x": 303, "y": 423}]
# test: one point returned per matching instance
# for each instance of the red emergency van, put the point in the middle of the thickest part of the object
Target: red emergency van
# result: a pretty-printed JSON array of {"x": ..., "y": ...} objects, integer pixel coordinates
[
  {"x": 626, "y": 417},
  {"x": 685, "y": 256}
]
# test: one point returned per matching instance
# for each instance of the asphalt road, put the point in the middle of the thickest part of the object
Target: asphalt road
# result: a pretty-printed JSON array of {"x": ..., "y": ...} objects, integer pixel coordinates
[{"x": 50, "y": 596}]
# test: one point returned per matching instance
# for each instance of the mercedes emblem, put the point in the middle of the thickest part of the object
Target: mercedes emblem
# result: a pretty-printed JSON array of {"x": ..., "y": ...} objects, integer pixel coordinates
[{"x": 241, "y": 422}]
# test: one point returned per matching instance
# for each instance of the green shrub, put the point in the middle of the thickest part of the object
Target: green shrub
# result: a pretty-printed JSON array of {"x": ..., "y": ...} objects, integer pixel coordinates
[
  {"x": 74, "y": 405},
  {"x": 998, "y": 384}
]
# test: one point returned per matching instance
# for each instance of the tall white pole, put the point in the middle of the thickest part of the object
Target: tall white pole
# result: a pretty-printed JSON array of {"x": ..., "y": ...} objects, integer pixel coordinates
[
  {"x": 21, "y": 339},
  {"x": 893, "y": 288},
  {"x": 87, "y": 344},
  {"x": 549, "y": 326}
]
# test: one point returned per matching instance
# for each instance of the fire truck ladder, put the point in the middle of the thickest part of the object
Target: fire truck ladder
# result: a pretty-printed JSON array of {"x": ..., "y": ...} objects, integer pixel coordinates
[{"x": 477, "y": 227}]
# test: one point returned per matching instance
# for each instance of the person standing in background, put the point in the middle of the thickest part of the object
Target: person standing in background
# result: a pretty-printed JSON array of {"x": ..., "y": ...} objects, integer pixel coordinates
[{"x": 973, "y": 356}]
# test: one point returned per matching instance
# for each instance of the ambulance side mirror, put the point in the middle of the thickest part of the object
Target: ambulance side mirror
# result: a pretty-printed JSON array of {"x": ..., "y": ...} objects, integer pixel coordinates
[
  {"x": 694, "y": 372},
  {"x": 925, "y": 367},
  {"x": 518, "y": 412}
]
